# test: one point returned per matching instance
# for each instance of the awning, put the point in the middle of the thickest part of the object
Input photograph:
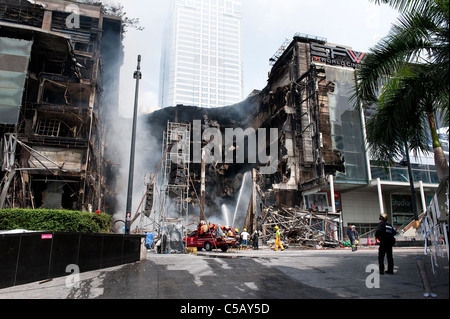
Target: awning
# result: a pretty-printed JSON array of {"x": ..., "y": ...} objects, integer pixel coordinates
[{"x": 14, "y": 60}]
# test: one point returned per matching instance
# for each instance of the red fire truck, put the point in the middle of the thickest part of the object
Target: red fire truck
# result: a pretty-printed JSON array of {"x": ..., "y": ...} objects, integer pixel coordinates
[{"x": 211, "y": 236}]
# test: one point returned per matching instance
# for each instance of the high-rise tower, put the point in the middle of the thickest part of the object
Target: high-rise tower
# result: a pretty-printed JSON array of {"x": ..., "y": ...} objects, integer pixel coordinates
[{"x": 201, "y": 63}]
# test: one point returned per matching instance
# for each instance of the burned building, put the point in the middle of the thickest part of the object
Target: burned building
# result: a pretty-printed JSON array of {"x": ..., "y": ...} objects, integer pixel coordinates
[
  {"x": 335, "y": 171},
  {"x": 59, "y": 62},
  {"x": 323, "y": 164},
  {"x": 295, "y": 103}
]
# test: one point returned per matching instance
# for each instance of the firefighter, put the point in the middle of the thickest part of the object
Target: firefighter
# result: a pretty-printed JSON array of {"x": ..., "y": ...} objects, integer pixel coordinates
[
  {"x": 238, "y": 238},
  {"x": 213, "y": 229},
  {"x": 278, "y": 239},
  {"x": 203, "y": 228},
  {"x": 386, "y": 235},
  {"x": 224, "y": 233}
]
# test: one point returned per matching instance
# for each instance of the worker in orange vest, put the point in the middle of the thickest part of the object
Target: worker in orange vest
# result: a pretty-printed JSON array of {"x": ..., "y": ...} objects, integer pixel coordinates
[{"x": 278, "y": 239}]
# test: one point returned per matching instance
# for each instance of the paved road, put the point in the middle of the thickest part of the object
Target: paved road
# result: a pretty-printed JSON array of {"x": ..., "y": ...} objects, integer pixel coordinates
[{"x": 258, "y": 275}]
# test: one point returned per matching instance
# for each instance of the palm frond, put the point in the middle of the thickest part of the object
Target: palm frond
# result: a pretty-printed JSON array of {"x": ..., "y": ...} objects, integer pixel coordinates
[
  {"x": 420, "y": 35},
  {"x": 406, "y": 77},
  {"x": 406, "y": 5}
]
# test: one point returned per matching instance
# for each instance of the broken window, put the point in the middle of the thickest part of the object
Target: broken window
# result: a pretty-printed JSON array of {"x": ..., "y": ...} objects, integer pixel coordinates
[
  {"x": 86, "y": 67},
  {"x": 66, "y": 126},
  {"x": 83, "y": 47},
  {"x": 48, "y": 127},
  {"x": 52, "y": 92},
  {"x": 22, "y": 12},
  {"x": 53, "y": 67},
  {"x": 79, "y": 95},
  {"x": 55, "y": 194}
]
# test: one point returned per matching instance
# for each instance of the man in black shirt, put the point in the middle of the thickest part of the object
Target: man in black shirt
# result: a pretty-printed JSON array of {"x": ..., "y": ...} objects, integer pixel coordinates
[{"x": 386, "y": 235}]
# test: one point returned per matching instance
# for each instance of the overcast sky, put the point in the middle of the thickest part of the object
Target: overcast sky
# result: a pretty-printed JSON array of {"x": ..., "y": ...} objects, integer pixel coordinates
[{"x": 266, "y": 25}]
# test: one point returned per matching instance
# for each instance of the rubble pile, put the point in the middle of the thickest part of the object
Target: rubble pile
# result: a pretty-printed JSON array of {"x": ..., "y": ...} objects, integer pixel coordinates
[{"x": 299, "y": 227}]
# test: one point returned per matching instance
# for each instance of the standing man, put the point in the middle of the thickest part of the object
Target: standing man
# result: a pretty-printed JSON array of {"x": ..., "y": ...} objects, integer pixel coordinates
[
  {"x": 352, "y": 236},
  {"x": 278, "y": 239},
  {"x": 386, "y": 235},
  {"x": 255, "y": 238},
  {"x": 244, "y": 236}
]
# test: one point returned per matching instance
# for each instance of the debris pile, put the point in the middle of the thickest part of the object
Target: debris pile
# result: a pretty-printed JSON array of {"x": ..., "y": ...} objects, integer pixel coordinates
[{"x": 300, "y": 227}]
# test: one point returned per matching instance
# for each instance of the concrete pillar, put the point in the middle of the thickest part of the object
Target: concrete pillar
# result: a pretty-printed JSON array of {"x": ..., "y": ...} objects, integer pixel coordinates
[
  {"x": 333, "y": 202},
  {"x": 333, "y": 205},
  {"x": 422, "y": 197},
  {"x": 380, "y": 196},
  {"x": 203, "y": 188}
]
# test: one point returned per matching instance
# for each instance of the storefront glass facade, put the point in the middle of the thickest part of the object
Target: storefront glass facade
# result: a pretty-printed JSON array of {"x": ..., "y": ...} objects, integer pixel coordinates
[
  {"x": 346, "y": 127},
  {"x": 421, "y": 172}
]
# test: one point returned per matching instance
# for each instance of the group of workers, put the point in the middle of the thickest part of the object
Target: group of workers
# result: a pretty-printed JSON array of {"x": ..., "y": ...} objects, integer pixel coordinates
[{"x": 243, "y": 238}]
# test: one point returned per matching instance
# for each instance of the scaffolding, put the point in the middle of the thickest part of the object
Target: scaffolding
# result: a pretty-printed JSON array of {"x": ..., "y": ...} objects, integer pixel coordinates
[
  {"x": 307, "y": 120},
  {"x": 175, "y": 184},
  {"x": 305, "y": 37}
]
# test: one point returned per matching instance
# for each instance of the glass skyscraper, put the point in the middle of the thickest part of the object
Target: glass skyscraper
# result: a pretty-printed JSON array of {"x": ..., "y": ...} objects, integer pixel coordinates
[{"x": 201, "y": 62}]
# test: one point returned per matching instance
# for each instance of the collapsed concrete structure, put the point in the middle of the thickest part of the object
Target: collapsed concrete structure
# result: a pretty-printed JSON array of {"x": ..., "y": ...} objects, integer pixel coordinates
[
  {"x": 59, "y": 62},
  {"x": 323, "y": 161},
  {"x": 296, "y": 103}
]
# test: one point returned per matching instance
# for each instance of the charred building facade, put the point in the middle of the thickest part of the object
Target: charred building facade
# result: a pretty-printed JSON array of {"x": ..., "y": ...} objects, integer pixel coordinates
[
  {"x": 323, "y": 165},
  {"x": 59, "y": 62},
  {"x": 325, "y": 162}
]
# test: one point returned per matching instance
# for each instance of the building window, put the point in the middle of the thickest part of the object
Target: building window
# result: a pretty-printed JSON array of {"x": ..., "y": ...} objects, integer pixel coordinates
[
  {"x": 48, "y": 127},
  {"x": 316, "y": 202},
  {"x": 346, "y": 127},
  {"x": 425, "y": 173},
  {"x": 402, "y": 209}
]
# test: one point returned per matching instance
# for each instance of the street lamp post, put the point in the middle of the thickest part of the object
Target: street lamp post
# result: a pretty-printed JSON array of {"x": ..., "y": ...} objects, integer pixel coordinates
[{"x": 138, "y": 76}]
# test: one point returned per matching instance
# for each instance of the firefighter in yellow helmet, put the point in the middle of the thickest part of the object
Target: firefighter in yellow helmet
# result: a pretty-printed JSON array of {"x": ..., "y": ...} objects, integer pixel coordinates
[
  {"x": 278, "y": 239},
  {"x": 238, "y": 238}
]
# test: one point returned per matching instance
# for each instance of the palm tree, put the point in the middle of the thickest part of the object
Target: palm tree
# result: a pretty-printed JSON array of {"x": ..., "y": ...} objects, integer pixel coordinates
[{"x": 406, "y": 76}]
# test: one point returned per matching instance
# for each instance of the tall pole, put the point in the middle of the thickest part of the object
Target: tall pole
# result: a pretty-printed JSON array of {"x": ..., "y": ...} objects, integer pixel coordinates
[
  {"x": 138, "y": 76},
  {"x": 254, "y": 202},
  {"x": 203, "y": 188}
]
